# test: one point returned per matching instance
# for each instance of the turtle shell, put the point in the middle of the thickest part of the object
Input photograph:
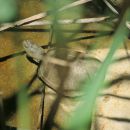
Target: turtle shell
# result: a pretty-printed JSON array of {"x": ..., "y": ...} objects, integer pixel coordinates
[{"x": 67, "y": 73}]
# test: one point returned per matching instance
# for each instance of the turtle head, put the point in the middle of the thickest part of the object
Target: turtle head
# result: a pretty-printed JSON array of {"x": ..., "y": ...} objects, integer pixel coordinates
[{"x": 33, "y": 50}]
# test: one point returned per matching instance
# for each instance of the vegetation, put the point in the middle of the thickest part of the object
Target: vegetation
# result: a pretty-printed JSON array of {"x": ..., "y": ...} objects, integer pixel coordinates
[{"x": 74, "y": 11}]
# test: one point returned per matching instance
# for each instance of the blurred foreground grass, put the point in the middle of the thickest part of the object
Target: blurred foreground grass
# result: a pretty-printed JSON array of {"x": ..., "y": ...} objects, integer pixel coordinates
[{"x": 82, "y": 117}]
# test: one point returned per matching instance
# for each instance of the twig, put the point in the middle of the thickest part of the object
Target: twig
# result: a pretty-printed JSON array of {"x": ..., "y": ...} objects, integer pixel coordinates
[
  {"x": 68, "y": 21},
  {"x": 42, "y": 108},
  {"x": 109, "y": 4},
  {"x": 50, "y": 36},
  {"x": 2, "y": 118},
  {"x": 79, "y": 2},
  {"x": 40, "y": 15}
]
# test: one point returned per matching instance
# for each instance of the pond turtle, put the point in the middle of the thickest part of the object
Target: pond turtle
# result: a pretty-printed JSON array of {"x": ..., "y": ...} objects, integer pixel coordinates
[{"x": 62, "y": 69}]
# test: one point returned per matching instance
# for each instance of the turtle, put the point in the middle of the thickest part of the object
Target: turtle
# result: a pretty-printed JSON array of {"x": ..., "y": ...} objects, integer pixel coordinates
[
  {"x": 55, "y": 70},
  {"x": 63, "y": 71}
]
